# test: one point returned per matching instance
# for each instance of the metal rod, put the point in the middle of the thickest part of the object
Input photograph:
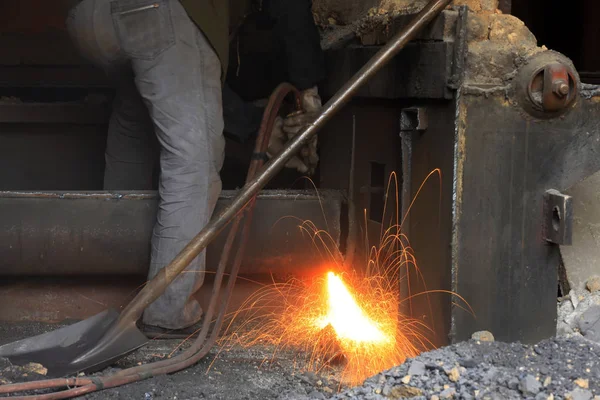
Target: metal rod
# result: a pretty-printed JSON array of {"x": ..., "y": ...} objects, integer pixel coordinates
[{"x": 159, "y": 283}]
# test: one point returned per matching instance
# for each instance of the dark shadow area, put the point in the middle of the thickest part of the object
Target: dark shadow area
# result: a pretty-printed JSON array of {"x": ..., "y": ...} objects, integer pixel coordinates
[{"x": 570, "y": 28}]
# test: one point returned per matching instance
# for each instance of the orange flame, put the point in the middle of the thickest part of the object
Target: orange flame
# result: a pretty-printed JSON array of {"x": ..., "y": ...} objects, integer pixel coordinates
[{"x": 346, "y": 317}]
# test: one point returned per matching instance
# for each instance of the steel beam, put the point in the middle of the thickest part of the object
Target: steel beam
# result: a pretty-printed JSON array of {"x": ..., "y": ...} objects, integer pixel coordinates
[{"x": 99, "y": 233}]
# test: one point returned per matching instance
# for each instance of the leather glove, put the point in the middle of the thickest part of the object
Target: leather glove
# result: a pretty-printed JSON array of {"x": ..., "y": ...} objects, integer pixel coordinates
[
  {"x": 293, "y": 124},
  {"x": 277, "y": 142}
]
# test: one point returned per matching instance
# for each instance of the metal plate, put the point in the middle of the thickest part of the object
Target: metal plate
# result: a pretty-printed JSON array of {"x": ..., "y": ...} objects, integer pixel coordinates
[
  {"x": 501, "y": 262},
  {"x": 99, "y": 233}
]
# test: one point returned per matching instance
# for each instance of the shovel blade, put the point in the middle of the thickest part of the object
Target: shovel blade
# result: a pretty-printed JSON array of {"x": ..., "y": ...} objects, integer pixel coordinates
[{"x": 60, "y": 351}]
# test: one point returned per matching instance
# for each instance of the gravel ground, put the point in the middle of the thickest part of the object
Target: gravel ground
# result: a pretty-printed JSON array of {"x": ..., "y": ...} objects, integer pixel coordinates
[
  {"x": 579, "y": 312},
  {"x": 560, "y": 368},
  {"x": 565, "y": 367}
]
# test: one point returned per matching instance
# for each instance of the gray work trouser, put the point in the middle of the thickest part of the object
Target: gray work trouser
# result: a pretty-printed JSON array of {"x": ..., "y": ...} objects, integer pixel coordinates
[{"x": 168, "y": 81}]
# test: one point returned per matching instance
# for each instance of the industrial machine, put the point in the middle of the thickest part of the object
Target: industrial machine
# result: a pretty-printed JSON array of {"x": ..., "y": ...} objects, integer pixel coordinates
[{"x": 505, "y": 125}]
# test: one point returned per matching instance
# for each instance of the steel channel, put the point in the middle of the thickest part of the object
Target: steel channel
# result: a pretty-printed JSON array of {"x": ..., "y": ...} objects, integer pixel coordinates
[
  {"x": 100, "y": 233},
  {"x": 54, "y": 113}
]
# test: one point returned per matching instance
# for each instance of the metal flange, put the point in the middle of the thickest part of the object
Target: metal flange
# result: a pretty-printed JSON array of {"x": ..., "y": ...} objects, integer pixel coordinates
[{"x": 547, "y": 85}]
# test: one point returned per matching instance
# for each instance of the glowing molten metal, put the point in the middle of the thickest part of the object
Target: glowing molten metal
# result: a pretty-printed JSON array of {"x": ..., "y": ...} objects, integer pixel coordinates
[{"x": 346, "y": 317}]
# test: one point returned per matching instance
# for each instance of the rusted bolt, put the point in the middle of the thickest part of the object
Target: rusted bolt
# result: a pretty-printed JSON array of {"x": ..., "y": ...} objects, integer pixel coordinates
[
  {"x": 551, "y": 87},
  {"x": 560, "y": 88},
  {"x": 548, "y": 85}
]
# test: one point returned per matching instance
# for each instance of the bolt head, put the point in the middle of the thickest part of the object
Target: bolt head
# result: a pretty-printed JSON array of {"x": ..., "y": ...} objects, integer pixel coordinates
[
  {"x": 563, "y": 89},
  {"x": 560, "y": 88}
]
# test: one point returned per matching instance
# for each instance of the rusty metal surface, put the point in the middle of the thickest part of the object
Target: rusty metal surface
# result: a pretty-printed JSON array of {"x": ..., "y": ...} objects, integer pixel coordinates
[
  {"x": 502, "y": 264},
  {"x": 92, "y": 233},
  {"x": 484, "y": 232}
]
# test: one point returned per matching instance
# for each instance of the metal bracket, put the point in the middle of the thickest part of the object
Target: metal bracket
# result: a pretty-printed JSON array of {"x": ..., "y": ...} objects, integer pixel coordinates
[
  {"x": 413, "y": 119},
  {"x": 413, "y": 122},
  {"x": 558, "y": 217}
]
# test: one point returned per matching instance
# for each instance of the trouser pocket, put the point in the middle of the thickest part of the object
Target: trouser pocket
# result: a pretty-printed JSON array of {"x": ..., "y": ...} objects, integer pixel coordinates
[{"x": 144, "y": 27}]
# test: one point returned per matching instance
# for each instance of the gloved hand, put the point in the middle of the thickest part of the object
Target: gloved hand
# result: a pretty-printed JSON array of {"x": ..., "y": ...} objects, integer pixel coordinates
[
  {"x": 291, "y": 125},
  {"x": 277, "y": 142}
]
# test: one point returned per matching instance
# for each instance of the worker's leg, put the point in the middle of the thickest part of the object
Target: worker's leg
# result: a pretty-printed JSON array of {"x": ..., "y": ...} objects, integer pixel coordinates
[
  {"x": 131, "y": 143},
  {"x": 130, "y": 147},
  {"x": 178, "y": 75}
]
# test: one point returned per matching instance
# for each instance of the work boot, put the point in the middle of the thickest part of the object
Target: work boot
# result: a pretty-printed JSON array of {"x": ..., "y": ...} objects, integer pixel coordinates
[{"x": 157, "y": 332}]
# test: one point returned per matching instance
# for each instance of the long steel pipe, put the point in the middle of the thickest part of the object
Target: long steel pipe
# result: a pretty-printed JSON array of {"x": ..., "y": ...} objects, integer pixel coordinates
[{"x": 159, "y": 283}]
